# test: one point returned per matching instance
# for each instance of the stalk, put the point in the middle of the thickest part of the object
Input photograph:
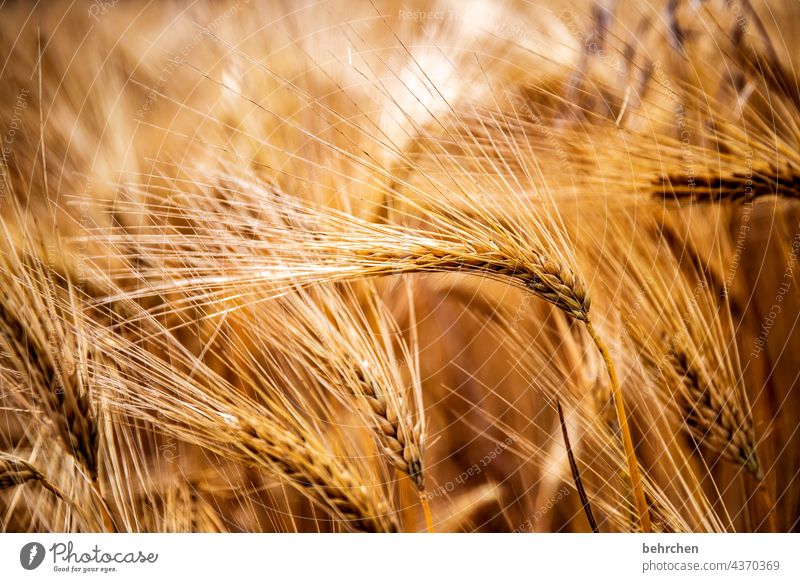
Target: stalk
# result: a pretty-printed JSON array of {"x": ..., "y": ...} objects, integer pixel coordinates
[{"x": 627, "y": 440}]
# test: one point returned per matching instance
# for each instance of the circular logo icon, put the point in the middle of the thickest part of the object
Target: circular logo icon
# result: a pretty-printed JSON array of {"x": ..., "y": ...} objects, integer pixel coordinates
[{"x": 31, "y": 555}]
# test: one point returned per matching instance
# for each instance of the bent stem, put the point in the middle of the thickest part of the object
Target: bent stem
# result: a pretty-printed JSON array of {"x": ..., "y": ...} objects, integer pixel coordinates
[
  {"x": 627, "y": 440},
  {"x": 61, "y": 496},
  {"x": 54, "y": 490}
]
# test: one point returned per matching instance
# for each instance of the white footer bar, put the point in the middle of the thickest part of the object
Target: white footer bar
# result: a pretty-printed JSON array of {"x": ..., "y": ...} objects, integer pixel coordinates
[{"x": 404, "y": 557}]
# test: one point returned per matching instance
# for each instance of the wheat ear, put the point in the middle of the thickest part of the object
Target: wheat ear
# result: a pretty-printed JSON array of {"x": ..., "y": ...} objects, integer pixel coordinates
[
  {"x": 69, "y": 409},
  {"x": 344, "y": 341},
  {"x": 343, "y": 335},
  {"x": 15, "y": 471},
  {"x": 547, "y": 280},
  {"x": 270, "y": 434},
  {"x": 39, "y": 326},
  {"x": 403, "y": 452},
  {"x": 713, "y": 418},
  {"x": 539, "y": 274},
  {"x": 299, "y": 461},
  {"x": 335, "y": 246},
  {"x": 783, "y": 182}
]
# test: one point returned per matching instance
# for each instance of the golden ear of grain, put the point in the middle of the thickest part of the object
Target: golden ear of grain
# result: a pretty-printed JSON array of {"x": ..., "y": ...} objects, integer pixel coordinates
[
  {"x": 45, "y": 354},
  {"x": 400, "y": 447},
  {"x": 542, "y": 276},
  {"x": 346, "y": 248},
  {"x": 270, "y": 433},
  {"x": 712, "y": 415},
  {"x": 350, "y": 342},
  {"x": 15, "y": 471},
  {"x": 306, "y": 465},
  {"x": 782, "y": 181}
]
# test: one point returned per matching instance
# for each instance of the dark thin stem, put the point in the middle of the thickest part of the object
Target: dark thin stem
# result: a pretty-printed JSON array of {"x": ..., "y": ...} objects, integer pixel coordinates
[{"x": 576, "y": 474}]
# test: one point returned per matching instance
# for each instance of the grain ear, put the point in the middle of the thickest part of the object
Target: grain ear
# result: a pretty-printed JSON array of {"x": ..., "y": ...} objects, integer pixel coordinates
[{"x": 15, "y": 471}]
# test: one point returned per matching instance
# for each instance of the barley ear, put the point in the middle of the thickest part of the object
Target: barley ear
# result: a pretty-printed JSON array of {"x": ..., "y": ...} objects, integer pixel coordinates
[{"x": 15, "y": 471}]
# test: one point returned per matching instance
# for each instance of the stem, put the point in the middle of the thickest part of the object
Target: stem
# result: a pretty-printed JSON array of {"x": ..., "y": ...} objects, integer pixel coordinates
[
  {"x": 426, "y": 509},
  {"x": 576, "y": 475},
  {"x": 54, "y": 490},
  {"x": 768, "y": 507},
  {"x": 105, "y": 512},
  {"x": 627, "y": 440}
]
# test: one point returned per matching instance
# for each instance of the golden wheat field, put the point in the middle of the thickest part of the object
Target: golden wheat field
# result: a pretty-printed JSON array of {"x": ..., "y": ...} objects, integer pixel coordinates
[{"x": 399, "y": 266}]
